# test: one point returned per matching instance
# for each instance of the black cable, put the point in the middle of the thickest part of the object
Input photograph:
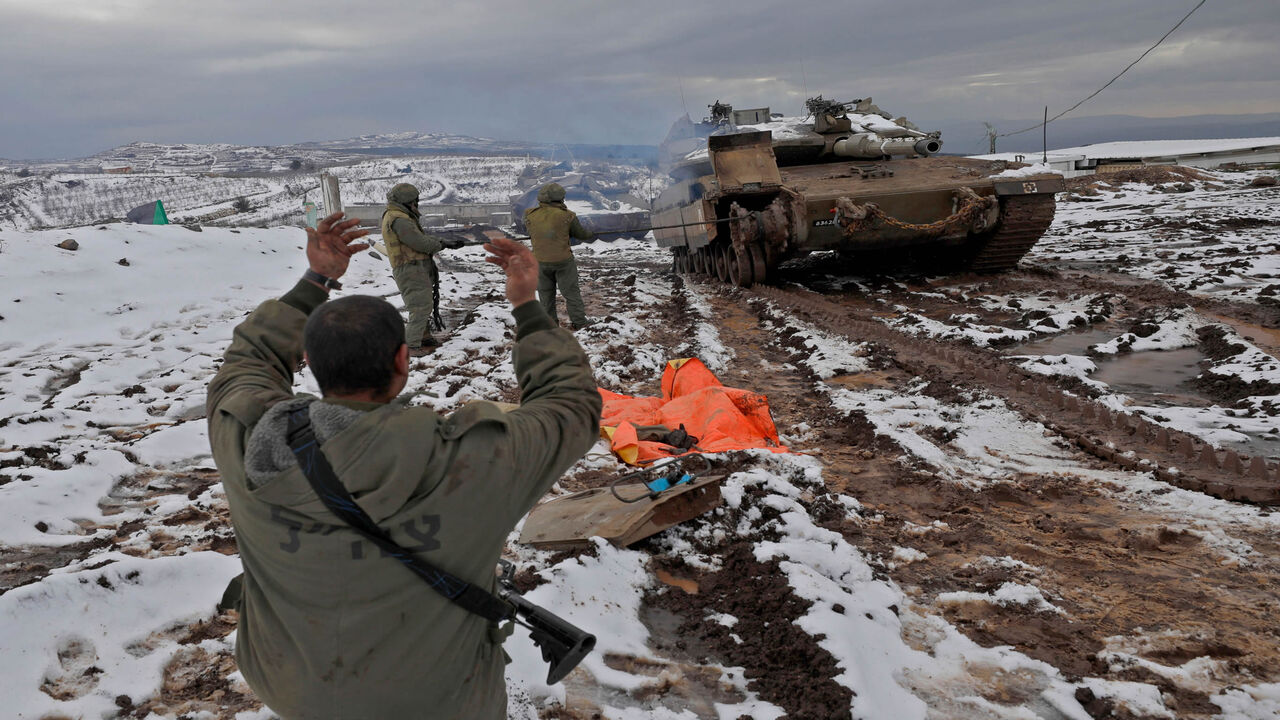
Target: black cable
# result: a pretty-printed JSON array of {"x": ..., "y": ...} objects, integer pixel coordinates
[{"x": 1117, "y": 77}]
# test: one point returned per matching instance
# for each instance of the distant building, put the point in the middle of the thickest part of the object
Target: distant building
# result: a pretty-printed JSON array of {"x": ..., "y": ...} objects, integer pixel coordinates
[
  {"x": 117, "y": 170},
  {"x": 1112, "y": 157}
]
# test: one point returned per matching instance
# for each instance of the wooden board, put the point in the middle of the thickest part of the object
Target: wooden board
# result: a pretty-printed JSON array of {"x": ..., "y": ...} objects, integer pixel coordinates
[{"x": 570, "y": 521}]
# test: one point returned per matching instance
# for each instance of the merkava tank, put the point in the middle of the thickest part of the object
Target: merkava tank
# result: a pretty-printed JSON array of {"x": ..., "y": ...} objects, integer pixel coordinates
[
  {"x": 602, "y": 201},
  {"x": 850, "y": 178}
]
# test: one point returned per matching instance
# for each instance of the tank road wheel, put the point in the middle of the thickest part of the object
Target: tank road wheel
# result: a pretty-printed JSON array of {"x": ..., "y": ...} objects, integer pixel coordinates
[
  {"x": 722, "y": 263},
  {"x": 696, "y": 262},
  {"x": 743, "y": 231},
  {"x": 759, "y": 269},
  {"x": 741, "y": 272}
]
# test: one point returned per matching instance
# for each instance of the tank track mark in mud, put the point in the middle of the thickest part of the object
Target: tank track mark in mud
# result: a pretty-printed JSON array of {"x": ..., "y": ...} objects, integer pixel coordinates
[
  {"x": 1127, "y": 440},
  {"x": 1023, "y": 221}
]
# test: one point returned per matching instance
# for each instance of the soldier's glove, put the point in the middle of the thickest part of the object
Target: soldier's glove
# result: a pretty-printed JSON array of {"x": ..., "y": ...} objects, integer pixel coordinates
[{"x": 452, "y": 242}]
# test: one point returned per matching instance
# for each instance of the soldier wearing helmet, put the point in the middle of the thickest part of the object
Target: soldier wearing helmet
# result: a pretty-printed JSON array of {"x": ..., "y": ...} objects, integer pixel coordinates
[
  {"x": 413, "y": 266},
  {"x": 550, "y": 227}
]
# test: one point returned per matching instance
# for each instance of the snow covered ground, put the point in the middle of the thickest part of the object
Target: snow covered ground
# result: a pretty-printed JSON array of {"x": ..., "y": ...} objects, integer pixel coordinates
[
  {"x": 117, "y": 546},
  {"x": 1214, "y": 237}
]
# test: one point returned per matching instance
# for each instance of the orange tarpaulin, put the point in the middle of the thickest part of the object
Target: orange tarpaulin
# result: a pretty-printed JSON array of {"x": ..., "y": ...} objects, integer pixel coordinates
[{"x": 721, "y": 418}]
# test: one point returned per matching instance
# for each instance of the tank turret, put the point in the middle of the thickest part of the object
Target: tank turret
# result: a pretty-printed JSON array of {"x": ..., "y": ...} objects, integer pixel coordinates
[
  {"x": 831, "y": 131},
  {"x": 831, "y": 119}
]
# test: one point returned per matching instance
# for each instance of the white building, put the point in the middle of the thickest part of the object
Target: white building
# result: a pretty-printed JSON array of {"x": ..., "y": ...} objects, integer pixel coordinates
[{"x": 1110, "y": 157}]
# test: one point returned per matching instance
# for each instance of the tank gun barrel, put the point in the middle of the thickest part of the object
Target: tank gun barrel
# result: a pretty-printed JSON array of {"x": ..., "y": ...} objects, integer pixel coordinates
[{"x": 870, "y": 146}]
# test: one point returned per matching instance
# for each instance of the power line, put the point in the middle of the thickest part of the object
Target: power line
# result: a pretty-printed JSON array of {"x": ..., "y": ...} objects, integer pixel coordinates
[{"x": 1117, "y": 77}]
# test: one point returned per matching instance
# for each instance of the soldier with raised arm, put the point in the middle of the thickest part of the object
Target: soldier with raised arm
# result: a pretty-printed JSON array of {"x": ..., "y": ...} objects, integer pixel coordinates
[{"x": 329, "y": 626}]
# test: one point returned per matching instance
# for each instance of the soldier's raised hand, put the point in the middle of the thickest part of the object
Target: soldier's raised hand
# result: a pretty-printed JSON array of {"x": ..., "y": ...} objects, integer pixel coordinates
[
  {"x": 518, "y": 263},
  {"x": 329, "y": 245}
]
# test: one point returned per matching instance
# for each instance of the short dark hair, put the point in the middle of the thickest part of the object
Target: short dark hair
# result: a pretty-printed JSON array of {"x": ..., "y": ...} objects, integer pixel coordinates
[{"x": 351, "y": 344}]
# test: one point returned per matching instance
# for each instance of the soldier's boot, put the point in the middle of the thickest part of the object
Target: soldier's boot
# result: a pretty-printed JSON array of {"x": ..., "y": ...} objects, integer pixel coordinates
[{"x": 422, "y": 351}]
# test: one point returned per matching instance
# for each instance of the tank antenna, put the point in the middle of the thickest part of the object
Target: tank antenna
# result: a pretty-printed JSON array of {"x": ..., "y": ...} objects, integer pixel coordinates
[
  {"x": 680, "y": 79},
  {"x": 804, "y": 82}
]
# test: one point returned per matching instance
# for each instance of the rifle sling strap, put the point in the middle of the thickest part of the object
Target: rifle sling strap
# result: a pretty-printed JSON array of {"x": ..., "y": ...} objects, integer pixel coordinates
[{"x": 334, "y": 495}]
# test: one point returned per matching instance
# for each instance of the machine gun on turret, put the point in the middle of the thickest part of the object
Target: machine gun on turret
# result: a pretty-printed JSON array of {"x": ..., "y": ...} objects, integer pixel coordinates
[{"x": 819, "y": 106}]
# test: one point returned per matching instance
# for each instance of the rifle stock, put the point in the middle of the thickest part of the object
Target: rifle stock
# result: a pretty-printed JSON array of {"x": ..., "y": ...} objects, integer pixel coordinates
[{"x": 563, "y": 644}]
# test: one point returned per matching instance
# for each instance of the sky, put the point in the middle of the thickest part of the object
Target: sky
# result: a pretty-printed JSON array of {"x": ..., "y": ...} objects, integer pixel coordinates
[{"x": 81, "y": 76}]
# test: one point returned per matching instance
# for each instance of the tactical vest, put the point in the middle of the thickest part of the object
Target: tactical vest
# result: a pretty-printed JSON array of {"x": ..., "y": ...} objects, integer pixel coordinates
[
  {"x": 548, "y": 228},
  {"x": 397, "y": 252}
]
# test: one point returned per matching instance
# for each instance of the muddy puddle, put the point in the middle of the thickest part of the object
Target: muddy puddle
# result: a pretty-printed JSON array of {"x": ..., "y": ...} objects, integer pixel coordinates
[
  {"x": 1076, "y": 343},
  {"x": 864, "y": 380},
  {"x": 1154, "y": 377},
  {"x": 1159, "y": 378}
]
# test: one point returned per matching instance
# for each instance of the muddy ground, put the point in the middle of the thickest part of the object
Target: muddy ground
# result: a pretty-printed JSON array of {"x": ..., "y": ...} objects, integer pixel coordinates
[{"x": 1117, "y": 569}]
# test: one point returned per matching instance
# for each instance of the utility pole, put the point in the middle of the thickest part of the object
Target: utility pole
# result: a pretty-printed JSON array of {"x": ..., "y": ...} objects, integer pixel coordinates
[
  {"x": 1044, "y": 138},
  {"x": 991, "y": 138}
]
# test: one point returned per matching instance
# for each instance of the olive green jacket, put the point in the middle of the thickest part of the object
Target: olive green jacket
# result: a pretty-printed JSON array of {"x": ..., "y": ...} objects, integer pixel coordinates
[
  {"x": 329, "y": 627},
  {"x": 404, "y": 238},
  {"x": 550, "y": 225}
]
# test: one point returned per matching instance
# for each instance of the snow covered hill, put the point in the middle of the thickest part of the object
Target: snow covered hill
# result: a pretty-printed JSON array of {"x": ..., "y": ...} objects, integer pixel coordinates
[
  {"x": 399, "y": 143},
  {"x": 68, "y": 199}
]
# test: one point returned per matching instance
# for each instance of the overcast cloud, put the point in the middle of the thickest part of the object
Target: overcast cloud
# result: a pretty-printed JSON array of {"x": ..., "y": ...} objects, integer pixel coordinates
[{"x": 80, "y": 76}]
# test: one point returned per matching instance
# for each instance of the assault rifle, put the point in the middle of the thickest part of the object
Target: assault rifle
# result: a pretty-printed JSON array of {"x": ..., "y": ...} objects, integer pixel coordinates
[{"x": 563, "y": 644}]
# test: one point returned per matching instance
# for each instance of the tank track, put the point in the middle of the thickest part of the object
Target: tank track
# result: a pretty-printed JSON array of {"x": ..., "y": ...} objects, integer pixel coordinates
[{"x": 1023, "y": 221}]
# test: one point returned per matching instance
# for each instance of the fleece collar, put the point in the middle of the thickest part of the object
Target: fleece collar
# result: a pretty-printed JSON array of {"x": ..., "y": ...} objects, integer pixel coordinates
[{"x": 268, "y": 454}]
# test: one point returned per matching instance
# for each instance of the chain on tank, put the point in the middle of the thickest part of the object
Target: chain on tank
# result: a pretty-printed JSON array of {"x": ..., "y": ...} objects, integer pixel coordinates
[{"x": 855, "y": 218}]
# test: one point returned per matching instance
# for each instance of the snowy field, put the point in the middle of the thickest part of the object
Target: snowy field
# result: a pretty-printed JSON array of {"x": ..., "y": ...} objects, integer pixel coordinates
[{"x": 115, "y": 531}]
